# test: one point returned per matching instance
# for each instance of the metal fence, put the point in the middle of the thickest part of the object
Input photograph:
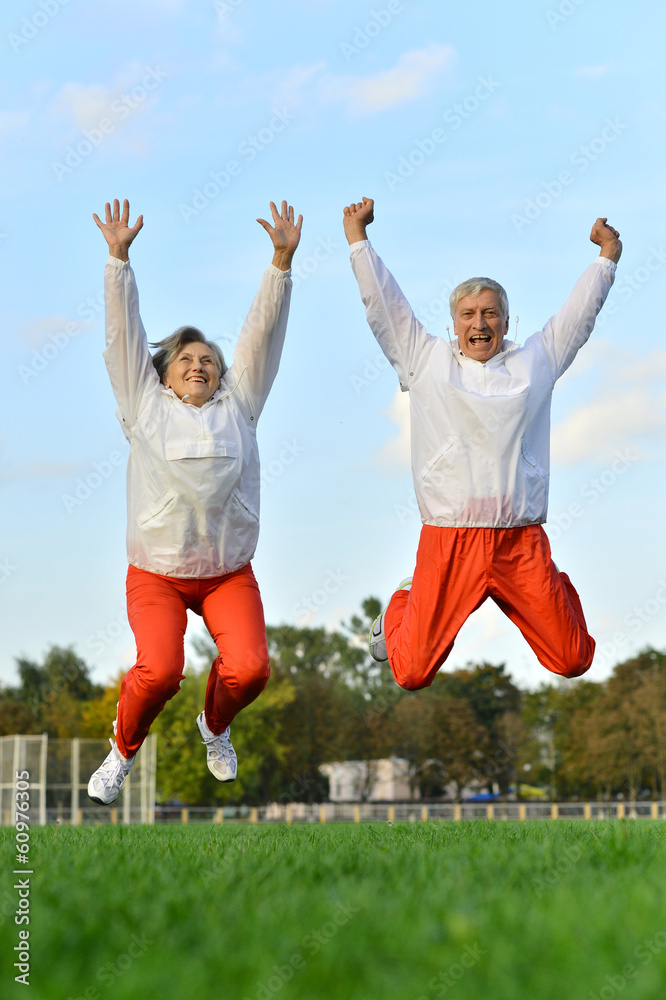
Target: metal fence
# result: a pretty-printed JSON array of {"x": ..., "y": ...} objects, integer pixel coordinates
[
  {"x": 58, "y": 773},
  {"x": 59, "y": 770},
  {"x": 415, "y": 812}
]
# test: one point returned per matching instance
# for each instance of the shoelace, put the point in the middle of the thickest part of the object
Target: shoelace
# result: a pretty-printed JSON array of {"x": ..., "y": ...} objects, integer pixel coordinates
[
  {"x": 220, "y": 744},
  {"x": 110, "y": 770}
]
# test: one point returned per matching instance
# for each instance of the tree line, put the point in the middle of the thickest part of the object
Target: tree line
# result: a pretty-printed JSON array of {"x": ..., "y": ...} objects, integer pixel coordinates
[{"x": 327, "y": 700}]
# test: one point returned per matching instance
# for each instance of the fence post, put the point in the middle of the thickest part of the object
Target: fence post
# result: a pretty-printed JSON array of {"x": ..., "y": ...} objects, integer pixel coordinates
[
  {"x": 620, "y": 810},
  {"x": 522, "y": 811},
  {"x": 43, "y": 761},
  {"x": 184, "y": 815},
  {"x": 357, "y": 814},
  {"x": 322, "y": 813},
  {"x": 457, "y": 812},
  {"x": 490, "y": 811},
  {"x": 114, "y": 817},
  {"x": 391, "y": 814},
  {"x": 219, "y": 815},
  {"x": 75, "y": 756},
  {"x": 587, "y": 811},
  {"x": 554, "y": 811},
  {"x": 253, "y": 814},
  {"x": 424, "y": 813},
  {"x": 287, "y": 813},
  {"x": 654, "y": 810}
]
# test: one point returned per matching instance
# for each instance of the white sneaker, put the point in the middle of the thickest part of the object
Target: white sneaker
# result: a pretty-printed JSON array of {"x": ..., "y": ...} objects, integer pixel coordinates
[
  {"x": 220, "y": 755},
  {"x": 105, "y": 784},
  {"x": 377, "y": 642}
]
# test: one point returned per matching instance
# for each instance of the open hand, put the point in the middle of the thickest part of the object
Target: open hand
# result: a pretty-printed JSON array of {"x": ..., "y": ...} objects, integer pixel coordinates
[
  {"x": 607, "y": 238},
  {"x": 285, "y": 234},
  {"x": 356, "y": 217},
  {"x": 117, "y": 231}
]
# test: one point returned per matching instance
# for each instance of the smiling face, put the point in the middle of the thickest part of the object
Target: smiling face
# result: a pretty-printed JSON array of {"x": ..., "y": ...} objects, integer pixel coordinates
[
  {"x": 480, "y": 325},
  {"x": 193, "y": 374}
]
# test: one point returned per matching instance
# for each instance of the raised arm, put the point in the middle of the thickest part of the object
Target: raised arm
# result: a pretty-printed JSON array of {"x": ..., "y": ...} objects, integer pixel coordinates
[
  {"x": 259, "y": 347},
  {"x": 389, "y": 314},
  {"x": 127, "y": 357},
  {"x": 566, "y": 332}
]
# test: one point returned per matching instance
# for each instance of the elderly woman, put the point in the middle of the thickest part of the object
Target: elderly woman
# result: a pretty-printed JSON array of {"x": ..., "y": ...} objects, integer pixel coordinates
[{"x": 193, "y": 498}]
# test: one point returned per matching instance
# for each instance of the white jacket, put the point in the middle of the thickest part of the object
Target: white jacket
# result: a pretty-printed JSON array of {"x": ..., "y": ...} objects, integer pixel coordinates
[
  {"x": 193, "y": 473},
  {"x": 480, "y": 433}
]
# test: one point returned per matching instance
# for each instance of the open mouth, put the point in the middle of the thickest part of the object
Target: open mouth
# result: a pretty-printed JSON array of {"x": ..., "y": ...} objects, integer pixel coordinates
[{"x": 480, "y": 339}]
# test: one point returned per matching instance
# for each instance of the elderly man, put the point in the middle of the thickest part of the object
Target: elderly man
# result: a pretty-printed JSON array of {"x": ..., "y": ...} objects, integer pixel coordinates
[{"x": 480, "y": 430}]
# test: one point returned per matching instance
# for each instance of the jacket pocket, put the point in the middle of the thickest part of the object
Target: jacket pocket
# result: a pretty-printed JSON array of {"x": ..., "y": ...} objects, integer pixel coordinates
[
  {"x": 180, "y": 448},
  {"x": 535, "y": 480},
  {"x": 159, "y": 507},
  {"x": 430, "y": 469}
]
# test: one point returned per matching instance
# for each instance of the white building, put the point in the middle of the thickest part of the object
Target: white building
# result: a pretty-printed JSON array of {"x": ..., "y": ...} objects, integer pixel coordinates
[{"x": 384, "y": 780}]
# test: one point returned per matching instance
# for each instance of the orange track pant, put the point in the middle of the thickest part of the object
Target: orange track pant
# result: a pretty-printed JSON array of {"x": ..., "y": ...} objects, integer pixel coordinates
[
  {"x": 157, "y": 607},
  {"x": 457, "y": 569}
]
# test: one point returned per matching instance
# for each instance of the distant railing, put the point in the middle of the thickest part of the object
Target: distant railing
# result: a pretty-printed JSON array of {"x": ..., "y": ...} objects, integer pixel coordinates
[{"x": 366, "y": 812}]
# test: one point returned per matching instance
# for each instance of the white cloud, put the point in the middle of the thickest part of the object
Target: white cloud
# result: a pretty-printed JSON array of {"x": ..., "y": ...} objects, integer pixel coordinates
[
  {"x": 85, "y": 105},
  {"x": 621, "y": 417},
  {"x": 412, "y": 76},
  {"x": 395, "y": 456},
  {"x": 594, "y": 71},
  {"x": 37, "y": 332},
  {"x": 629, "y": 410}
]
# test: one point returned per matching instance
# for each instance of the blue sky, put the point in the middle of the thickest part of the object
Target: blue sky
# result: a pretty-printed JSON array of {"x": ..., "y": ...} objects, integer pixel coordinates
[{"x": 490, "y": 135}]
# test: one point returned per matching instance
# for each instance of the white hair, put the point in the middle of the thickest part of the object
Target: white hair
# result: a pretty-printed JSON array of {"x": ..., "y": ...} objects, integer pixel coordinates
[{"x": 473, "y": 286}]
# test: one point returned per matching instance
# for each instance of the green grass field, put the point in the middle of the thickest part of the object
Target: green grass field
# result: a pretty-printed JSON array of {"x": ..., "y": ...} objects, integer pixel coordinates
[{"x": 478, "y": 911}]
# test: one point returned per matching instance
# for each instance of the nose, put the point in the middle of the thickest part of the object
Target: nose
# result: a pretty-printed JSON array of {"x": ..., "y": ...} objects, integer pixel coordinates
[{"x": 480, "y": 321}]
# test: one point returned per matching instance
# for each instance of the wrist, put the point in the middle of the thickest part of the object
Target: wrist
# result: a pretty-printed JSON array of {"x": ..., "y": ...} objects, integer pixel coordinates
[
  {"x": 282, "y": 259},
  {"x": 611, "y": 251},
  {"x": 118, "y": 251},
  {"x": 355, "y": 234}
]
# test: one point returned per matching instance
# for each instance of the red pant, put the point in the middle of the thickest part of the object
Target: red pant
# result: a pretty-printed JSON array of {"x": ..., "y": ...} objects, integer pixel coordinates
[
  {"x": 157, "y": 610},
  {"x": 456, "y": 570}
]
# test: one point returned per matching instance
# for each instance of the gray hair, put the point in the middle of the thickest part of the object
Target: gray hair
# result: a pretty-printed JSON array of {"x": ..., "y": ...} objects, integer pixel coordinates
[
  {"x": 473, "y": 286},
  {"x": 170, "y": 347}
]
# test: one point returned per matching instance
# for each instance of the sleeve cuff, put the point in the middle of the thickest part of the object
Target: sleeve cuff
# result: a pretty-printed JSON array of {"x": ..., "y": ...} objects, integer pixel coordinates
[
  {"x": 359, "y": 245},
  {"x": 606, "y": 262},
  {"x": 116, "y": 262},
  {"x": 278, "y": 271}
]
